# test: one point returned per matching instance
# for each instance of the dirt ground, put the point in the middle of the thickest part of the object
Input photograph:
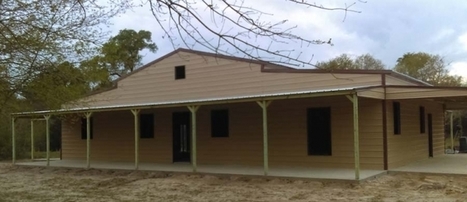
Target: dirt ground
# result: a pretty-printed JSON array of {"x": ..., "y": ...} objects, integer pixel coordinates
[{"x": 62, "y": 184}]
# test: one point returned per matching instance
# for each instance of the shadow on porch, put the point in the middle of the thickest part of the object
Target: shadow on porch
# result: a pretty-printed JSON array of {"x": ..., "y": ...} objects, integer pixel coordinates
[
  {"x": 445, "y": 164},
  {"x": 288, "y": 172}
]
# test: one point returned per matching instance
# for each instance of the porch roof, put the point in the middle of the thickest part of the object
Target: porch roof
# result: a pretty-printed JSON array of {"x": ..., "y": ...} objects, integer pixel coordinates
[
  {"x": 454, "y": 98},
  {"x": 208, "y": 101}
]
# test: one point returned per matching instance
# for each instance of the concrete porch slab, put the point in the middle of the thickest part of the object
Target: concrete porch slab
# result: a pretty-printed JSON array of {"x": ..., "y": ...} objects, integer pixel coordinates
[
  {"x": 445, "y": 164},
  {"x": 288, "y": 172}
]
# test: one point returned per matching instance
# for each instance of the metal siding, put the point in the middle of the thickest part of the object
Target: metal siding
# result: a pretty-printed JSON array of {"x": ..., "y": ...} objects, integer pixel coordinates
[
  {"x": 209, "y": 77},
  {"x": 410, "y": 145},
  {"x": 287, "y": 138}
]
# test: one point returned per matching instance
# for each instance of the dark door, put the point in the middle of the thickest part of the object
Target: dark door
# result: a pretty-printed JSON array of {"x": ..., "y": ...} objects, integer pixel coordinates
[
  {"x": 319, "y": 131},
  {"x": 181, "y": 136},
  {"x": 430, "y": 135}
]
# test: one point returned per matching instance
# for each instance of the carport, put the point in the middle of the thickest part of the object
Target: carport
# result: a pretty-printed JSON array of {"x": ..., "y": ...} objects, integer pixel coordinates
[{"x": 454, "y": 98}]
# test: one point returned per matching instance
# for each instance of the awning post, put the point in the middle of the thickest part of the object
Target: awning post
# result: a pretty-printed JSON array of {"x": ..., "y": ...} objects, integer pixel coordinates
[
  {"x": 193, "y": 110},
  {"x": 136, "y": 119},
  {"x": 47, "y": 135},
  {"x": 32, "y": 139},
  {"x": 354, "y": 100},
  {"x": 88, "y": 139},
  {"x": 452, "y": 132},
  {"x": 13, "y": 142},
  {"x": 264, "y": 106}
]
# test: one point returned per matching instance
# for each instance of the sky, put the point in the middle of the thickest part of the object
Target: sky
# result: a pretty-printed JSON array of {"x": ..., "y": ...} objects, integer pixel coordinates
[{"x": 385, "y": 29}]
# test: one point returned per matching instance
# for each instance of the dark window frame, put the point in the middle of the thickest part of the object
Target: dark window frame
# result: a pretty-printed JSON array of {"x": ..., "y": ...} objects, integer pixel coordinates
[
  {"x": 220, "y": 121},
  {"x": 396, "y": 111},
  {"x": 84, "y": 132},
  {"x": 146, "y": 126},
  {"x": 422, "y": 119},
  {"x": 326, "y": 147},
  {"x": 180, "y": 72}
]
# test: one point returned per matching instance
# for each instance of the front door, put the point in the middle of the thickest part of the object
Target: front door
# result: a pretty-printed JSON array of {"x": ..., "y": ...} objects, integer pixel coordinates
[
  {"x": 430, "y": 135},
  {"x": 181, "y": 136}
]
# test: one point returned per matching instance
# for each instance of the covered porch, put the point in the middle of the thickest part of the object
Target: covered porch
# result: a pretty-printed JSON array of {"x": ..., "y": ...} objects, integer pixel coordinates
[
  {"x": 186, "y": 168},
  {"x": 348, "y": 96}
]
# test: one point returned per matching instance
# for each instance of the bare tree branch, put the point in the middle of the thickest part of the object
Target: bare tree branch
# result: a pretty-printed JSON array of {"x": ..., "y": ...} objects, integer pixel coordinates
[{"x": 236, "y": 29}]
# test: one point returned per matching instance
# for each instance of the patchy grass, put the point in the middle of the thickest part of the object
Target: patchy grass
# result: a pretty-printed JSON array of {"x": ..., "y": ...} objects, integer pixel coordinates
[{"x": 22, "y": 183}]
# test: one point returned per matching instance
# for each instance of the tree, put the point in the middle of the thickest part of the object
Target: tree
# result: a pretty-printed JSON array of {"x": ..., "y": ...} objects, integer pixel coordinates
[
  {"x": 36, "y": 35},
  {"x": 121, "y": 54},
  {"x": 69, "y": 83},
  {"x": 427, "y": 67},
  {"x": 97, "y": 74},
  {"x": 345, "y": 62},
  {"x": 118, "y": 56},
  {"x": 367, "y": 61},
  {"x": 39, "y": 40}
]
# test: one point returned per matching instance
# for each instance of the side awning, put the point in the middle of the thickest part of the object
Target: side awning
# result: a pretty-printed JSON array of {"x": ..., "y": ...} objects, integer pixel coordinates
[{"x": 454, "y": 98}]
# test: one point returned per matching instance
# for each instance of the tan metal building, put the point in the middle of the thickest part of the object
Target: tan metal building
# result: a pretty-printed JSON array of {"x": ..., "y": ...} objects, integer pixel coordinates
[{"x": 209, "y": 109}]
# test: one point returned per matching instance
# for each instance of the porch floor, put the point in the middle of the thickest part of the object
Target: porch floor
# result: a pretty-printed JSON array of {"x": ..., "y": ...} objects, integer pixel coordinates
[
  {"x": 445, "y": 164},
  {"x": 292, "y": 172}
]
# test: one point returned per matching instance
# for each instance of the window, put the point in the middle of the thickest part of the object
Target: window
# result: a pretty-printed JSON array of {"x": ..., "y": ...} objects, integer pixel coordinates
[
  {"x": 319, "y": 131},
  {"x": 396, "y": 110},
  {"x": 179, "y": 72},
  {"x": 146, "y": 125},
  {"x": 220, "y": 123},
  {"x": 84, "y": 128},
  {"x": 422, "y": 119}
]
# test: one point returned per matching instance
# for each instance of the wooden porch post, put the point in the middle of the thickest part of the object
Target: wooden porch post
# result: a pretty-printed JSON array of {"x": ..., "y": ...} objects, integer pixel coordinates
[
  {"x": 136, "y": 117},
  {"x": 193, "y": 110},
  {"x": 88, "y": 139},
  {"x": 13, "y": 142},
  {"x": 452, "y": 132},
  {"x": 32, "y": 139},
  {"x": 47, "y": 135},
  {"x": 354, "y": 100},
  {"x": 264, "y": 105}
]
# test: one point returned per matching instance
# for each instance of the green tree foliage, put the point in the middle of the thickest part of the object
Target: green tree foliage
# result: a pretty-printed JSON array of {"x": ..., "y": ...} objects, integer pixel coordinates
[
  {"x": 345, "y": 62},
  {"x": 121, "y": 54},
  {"x": 96, "y": 73},
  {"x": 40, "y": 44},
  {"x": 427, "y": 67},
  {"x": 36, "y": 35},
  {"x": 68, "y": 81}
]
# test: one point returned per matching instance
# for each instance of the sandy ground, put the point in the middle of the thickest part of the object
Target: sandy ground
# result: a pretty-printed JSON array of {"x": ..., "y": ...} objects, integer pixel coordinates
[{"x": 61, "y": 184}]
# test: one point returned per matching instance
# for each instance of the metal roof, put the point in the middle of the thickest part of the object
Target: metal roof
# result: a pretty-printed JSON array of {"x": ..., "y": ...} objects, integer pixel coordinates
[
  {"x": 285, "y": 95},
  {"x": 409, "y": 77}
]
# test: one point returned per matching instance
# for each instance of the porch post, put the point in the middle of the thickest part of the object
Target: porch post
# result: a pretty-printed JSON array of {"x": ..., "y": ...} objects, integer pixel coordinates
[
  {"x": 452, "y": 132},
  {"x": 354, "y": 100},
  {"x": 88, "y": 139},
  {"x": 47, "y": 135},
  {"x": 136, "y": 117},
  {"x": 193, "y": 110},
  {"x": 32, "y": 139},
  {"x": 264, "y": 105},
  {"x": 13, "y": 142}
]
